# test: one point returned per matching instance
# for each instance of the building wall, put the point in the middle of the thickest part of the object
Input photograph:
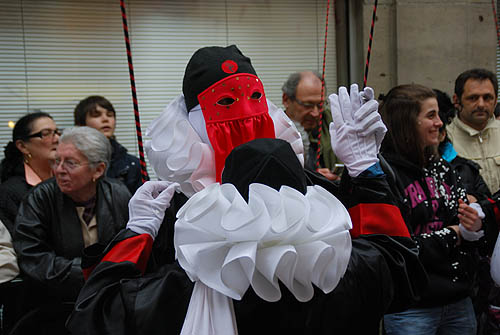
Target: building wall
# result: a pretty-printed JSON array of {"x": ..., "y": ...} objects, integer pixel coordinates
[{"x": 428, "y": 42}]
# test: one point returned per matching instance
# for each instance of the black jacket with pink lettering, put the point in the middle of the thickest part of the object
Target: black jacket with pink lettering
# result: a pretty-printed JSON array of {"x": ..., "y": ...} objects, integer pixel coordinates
[{"x": 429, "y": 201}]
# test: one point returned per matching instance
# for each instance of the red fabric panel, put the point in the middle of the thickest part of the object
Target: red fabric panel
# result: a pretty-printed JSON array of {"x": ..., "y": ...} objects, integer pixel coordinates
[
  {"x": 135, "y": 249},
  {"x": 225, "y": 136},
  {"x": 377, "y": 219},
  {"x": 245, "y": 119}
]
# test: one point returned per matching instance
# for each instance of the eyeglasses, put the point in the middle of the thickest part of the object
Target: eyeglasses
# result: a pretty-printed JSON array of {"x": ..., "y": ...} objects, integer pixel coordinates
[
  {"x": 67, "y": 164},
  {"x": 46, "y": 133},
  {"x": 308, "y": 105}
]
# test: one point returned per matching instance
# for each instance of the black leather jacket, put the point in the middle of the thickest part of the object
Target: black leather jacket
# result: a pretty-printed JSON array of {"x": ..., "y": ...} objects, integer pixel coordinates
[{"x": 48, "y": 234}]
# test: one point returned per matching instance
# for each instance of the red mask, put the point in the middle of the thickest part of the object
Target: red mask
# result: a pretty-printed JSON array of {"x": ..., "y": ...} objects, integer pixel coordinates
[{"x": 235, "y": 111}]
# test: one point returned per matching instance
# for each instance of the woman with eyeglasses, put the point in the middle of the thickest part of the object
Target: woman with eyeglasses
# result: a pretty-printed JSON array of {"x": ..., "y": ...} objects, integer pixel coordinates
[
  {"x": 60, "y": 217},
  {"x": 27, "y": 161}
]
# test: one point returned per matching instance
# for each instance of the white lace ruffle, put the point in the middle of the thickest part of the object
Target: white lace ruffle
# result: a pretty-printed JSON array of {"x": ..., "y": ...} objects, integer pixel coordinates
[
  {"x": 177, "y": 153},
  {"x": 299, "y": 239}
]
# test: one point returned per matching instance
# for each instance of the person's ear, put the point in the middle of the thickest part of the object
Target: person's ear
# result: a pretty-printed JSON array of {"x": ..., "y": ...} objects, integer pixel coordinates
[
  {"x": 21, "y": 146},
  {"x": 442, "y": 135},
  {"x": 99, "y": 170},
  {"x": 456, "y": 102},
  {"x": 286, "y": 100}
]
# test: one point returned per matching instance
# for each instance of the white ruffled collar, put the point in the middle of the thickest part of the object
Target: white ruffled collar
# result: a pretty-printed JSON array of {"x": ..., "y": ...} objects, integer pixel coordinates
[
  {"x": 226, "y": 244},
  {"x": 177, "y": 153}
]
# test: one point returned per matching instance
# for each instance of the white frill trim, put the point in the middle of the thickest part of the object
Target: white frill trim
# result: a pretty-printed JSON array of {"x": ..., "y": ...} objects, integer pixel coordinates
[
  {"x": 177, "y": 153},
  {"x": 227, "y": 245}
]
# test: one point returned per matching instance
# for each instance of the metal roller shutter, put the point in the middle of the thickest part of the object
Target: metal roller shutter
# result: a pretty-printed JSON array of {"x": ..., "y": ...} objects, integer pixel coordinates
[{"x": 54, "y": 53}]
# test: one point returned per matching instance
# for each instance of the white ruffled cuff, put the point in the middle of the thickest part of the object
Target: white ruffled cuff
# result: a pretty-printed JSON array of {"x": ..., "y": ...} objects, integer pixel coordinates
[
  {"x": 470, "y": 235},
  {"x": 473, "y": 235},
  {"x": 478, "y": 209}
]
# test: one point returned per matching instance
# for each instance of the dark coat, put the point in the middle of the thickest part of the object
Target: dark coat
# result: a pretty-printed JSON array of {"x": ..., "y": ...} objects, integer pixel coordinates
[
  {"x": 125, "y": 167},
  {"x": 471, "y": 178},
  {"x": 48, "y": 235},
  {"x": 12, "y": 192}
]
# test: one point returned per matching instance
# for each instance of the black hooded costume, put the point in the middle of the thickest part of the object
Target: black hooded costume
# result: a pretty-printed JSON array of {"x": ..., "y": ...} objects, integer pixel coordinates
[
  {"x": 135, "y": 285},
  {"x": 130, "y": 292}
]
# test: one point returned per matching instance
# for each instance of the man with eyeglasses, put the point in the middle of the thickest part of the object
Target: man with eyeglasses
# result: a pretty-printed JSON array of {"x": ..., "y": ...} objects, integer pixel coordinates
[{"x": 303, "y": 104}]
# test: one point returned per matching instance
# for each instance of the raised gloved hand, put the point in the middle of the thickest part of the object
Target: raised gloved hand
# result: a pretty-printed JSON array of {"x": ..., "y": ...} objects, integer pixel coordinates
[
  {"x": 357, "y": 129},
  {"x": 147, "y": 206}
]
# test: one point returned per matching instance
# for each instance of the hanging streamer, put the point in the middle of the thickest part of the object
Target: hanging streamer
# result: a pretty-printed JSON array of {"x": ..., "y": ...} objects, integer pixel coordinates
[
  {"x": 496, "y": 21},
  {"x": 320, "y": 125},
  {"x": 370, "y": 43},
  {"x": 134, "y": 94}
]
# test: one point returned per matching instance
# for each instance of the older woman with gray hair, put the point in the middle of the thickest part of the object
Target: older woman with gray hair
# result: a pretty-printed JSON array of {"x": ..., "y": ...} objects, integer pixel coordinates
[{"x": 78, "y": 208}]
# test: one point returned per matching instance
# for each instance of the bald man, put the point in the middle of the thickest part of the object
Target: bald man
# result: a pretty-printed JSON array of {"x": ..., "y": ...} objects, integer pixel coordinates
[{"x": 302, "y": 102}]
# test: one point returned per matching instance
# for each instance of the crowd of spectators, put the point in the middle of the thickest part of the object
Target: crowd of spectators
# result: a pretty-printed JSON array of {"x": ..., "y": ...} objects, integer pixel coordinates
[{"x": 388, "y": 206}]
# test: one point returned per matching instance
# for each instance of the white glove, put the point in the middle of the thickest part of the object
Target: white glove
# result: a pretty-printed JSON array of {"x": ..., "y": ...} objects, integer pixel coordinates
[
  {"x": 148, "y": 205},
  {"x": 367, "y": 120},
  {"x": 357, "y": 129}
]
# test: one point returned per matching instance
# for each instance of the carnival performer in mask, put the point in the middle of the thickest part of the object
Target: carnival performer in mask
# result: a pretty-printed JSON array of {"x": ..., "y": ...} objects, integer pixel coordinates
[{"x": 267, "y": 244}]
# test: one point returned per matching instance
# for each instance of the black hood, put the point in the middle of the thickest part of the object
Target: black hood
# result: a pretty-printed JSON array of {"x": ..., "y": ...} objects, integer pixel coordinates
[
  {"x": 206, "y": 68},
  {"x": 266, "y": 161}
]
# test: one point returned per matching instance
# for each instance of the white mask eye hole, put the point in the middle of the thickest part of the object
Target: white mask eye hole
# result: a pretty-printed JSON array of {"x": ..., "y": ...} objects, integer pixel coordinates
[
  {"x": 226, "y": 101},
  {"x": 256, "y": 95}
]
